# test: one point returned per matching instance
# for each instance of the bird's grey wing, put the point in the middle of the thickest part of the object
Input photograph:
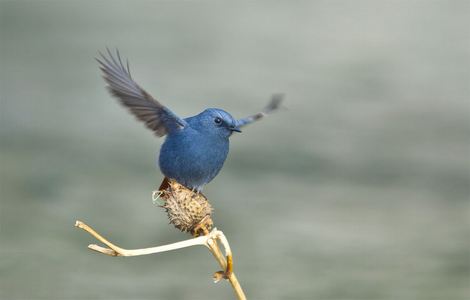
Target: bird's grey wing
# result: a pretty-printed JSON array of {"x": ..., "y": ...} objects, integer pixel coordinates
[
  {"x": 142, "y": 105},
  {"x": 273, "y": 105}
]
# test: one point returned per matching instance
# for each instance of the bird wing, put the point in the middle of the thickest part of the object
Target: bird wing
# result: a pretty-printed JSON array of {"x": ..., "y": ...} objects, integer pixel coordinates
[
  {"x": 273, "y": 105},
  {"x": 142, "y": 105}
]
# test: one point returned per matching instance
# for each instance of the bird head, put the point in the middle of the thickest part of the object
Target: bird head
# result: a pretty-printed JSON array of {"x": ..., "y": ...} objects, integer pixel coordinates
[{"x": 217, "y": 122}]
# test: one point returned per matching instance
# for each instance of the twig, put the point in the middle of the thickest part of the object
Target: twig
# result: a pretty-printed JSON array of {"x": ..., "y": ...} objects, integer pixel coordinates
[
  {"x": 225, "y": 264},
  {"x": 210, "y": 241}
]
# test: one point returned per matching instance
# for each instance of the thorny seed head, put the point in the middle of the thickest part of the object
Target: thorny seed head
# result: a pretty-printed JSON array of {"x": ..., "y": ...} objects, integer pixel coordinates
[{"x": 186, "y": 209}]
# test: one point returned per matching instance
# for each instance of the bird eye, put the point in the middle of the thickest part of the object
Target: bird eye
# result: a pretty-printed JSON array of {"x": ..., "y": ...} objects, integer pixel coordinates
[{"x": 218, "y": 120}]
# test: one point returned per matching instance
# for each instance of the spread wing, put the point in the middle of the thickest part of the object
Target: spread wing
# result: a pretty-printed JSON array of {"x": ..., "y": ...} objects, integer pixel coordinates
[
  {"x": 142, "y": 105},
  {"x": 273, "y": 105}
]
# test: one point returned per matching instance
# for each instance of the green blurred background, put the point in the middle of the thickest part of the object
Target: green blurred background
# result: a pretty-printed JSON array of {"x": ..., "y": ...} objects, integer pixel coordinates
[{"x": 360, "y": 190}]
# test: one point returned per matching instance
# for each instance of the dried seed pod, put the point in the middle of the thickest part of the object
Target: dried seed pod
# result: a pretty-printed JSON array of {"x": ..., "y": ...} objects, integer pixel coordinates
[{"x": 187, "y": 210}]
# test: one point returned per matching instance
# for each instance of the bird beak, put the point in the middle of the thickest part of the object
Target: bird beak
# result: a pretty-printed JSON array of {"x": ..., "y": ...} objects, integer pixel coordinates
[{"x": 235, "y": 128}]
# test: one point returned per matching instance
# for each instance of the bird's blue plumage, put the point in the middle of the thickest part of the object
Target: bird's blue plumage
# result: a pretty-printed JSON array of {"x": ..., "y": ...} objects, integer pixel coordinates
[
  {"x": 195, "y": 148},
  {"x": 194, "y": 155}
]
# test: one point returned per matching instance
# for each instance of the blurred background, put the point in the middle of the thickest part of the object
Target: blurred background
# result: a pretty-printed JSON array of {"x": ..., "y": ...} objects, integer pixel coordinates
[{"x": 360, "y": 190}]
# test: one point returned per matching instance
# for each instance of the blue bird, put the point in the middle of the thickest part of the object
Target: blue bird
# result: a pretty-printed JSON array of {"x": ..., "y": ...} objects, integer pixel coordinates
[{"x": 195, "y": 148}]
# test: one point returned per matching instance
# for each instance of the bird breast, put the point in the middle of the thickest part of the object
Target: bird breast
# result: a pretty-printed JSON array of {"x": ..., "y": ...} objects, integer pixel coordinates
[{"x": 193, "y": 159}]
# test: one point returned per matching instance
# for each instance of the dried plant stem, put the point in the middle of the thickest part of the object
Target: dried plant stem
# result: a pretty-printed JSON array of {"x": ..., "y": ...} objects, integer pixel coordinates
[
  {"x": 226, "y": 264},
  {"x": 210, "y": 241}
]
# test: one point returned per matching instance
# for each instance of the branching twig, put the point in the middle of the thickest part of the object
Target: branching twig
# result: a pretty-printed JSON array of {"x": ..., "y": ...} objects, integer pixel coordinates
[{"x": 210, "y": 241}]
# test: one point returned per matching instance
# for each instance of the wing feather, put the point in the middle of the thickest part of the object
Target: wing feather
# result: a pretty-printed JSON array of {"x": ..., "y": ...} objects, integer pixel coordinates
[
  {"x": 141, "y": 104},
  {"x": 272, "y": 106}
]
